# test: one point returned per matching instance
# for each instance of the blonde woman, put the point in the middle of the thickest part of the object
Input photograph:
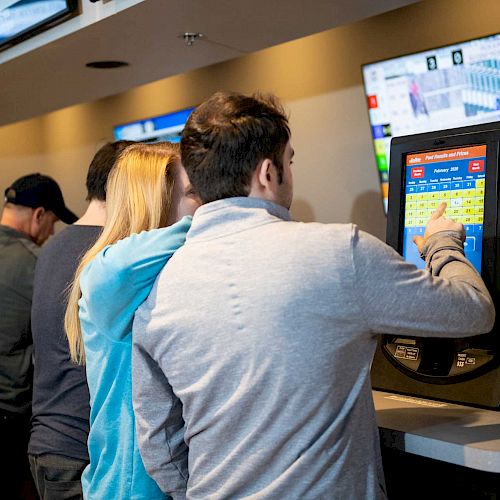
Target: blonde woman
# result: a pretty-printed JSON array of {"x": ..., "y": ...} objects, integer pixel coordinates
[{"x": 147, "y": 189}]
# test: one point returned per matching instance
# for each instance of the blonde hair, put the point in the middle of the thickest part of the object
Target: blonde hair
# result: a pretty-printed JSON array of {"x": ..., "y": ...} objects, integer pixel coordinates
[{"x": 138, "y": 198}]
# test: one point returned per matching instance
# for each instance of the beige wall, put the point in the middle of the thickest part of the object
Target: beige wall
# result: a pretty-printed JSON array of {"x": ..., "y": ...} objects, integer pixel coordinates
[{"x": 318, "y": 77}]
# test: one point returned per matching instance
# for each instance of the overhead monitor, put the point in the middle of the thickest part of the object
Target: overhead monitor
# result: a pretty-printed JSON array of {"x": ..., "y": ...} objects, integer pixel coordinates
[
  {"x": 23, "y": 19},
  {"x": 437, "y": 89},
  {"x": 166, "y": 127}
]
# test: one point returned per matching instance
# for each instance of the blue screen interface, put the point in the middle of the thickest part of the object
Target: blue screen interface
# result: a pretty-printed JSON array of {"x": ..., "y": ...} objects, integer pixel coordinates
[
  {"x": 455, "y": 176},
  {"x": 160, "y": 128}
]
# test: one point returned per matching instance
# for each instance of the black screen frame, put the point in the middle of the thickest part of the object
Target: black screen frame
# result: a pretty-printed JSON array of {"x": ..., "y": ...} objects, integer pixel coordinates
[
  {"x": 70, "y": 11},
  {"x": 485, "y": 134}
]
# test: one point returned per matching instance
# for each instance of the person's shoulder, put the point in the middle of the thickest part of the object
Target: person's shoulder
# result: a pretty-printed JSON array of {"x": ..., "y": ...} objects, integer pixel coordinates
[
  {"x": 21, "y": 248},
  {"x": 18, "y": 261},
  {"x": 338, "y": 227},
  {"x": 319, "y": 231},
  {"x": 32, "y": 250},
  {"x": 74, "y": 232},
  {"x": 55, "y": 241},
  {"x": 78, "y": 236}
]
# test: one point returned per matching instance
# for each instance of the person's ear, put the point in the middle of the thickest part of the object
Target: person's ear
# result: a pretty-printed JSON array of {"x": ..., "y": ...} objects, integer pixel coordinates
[
  {"x": 263, "y": 183},
  {"x": 38, "y": 214},
  {"x": 265, "y": 173},
  {"x": 35, "y": 222}
]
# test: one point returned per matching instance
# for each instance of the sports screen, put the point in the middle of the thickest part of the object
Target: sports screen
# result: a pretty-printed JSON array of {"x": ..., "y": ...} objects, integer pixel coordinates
[
  {"x": 22, "y": 19},
  {"x": 456, "y": 176},
  {"x": 439, "y": 89},
  {"x": 160, "y": 128}
]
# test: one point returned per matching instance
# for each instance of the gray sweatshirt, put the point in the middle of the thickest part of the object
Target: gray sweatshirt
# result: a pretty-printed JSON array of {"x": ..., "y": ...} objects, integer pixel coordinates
[{"x": 255, "y": 344}]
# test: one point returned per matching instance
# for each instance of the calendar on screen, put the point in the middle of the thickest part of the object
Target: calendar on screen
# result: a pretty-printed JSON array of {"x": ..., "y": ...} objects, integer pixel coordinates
[{"x": 455, "y": 176}]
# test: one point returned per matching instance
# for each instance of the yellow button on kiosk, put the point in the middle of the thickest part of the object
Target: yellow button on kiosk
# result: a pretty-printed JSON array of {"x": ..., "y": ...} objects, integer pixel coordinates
[{"x": 461, "y": 168}]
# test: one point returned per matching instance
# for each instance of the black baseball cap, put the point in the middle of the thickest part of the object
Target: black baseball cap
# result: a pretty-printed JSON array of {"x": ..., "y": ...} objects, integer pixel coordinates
[{"x": 37, "y": 190}]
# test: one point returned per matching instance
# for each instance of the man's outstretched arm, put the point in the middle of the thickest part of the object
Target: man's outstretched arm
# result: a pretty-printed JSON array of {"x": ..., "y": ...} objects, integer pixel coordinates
[{"x": 448, "y": 299}]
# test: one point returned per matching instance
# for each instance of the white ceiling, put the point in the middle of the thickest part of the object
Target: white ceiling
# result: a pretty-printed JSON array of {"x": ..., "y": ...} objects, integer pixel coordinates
[{"x": 145, "y": 35}]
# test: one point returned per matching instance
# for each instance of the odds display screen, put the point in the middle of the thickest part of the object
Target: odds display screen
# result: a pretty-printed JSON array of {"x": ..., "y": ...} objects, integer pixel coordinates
[
  {"x": 441, "y": 88},
  {"x": 167, "y": 127},
  {"x": 455, "y": 176},
  {"x": 22, "y": 19}
]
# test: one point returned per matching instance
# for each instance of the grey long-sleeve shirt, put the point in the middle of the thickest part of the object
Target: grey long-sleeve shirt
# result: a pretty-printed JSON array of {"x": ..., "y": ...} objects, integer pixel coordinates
[{"x": 255, "y": 344}]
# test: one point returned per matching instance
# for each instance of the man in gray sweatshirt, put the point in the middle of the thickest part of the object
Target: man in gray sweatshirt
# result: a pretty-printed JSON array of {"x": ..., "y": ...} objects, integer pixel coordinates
[{"x": 252, "y": 354}]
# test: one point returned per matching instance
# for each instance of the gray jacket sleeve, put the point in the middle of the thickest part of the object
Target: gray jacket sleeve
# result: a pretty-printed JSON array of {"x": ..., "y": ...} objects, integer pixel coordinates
[
  {"x": 158, "y": 416},
  {"x": 447, "y": 299}
]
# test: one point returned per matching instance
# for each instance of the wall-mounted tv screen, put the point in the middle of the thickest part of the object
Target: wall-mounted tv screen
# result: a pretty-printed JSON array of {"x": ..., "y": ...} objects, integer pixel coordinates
[
  {"x": 439, "y": 89},
  {"x": 160, "y": 128},
  {"x": 24, "y": 19}
]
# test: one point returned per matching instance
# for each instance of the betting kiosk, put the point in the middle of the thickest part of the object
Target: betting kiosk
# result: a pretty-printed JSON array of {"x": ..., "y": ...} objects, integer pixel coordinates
[{"x": 460, "y": 167}]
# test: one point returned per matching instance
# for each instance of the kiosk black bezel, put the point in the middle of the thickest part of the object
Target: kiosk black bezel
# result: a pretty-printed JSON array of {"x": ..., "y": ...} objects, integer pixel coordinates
[
  {"x": 485, "y": 134},
  {"x": 479, "y": 135}
]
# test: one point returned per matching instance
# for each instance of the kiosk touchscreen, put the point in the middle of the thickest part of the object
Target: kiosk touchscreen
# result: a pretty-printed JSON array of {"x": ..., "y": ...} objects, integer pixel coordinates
[
  {"x": 459, "y": 167},
  {"x": 455, "y": 176}
]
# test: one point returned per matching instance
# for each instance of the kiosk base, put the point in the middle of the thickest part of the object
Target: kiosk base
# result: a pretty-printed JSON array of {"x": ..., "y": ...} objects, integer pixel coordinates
[{"x": 482, "y": 391}]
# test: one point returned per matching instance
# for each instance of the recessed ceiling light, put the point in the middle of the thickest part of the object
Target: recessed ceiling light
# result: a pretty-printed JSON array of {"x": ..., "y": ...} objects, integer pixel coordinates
[{"x": 106, "y": 64}]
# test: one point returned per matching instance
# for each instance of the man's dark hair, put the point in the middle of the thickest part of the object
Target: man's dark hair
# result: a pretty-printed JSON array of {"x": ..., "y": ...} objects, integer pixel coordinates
[
  {"x": 226, "y": 137},
  {"x": 99, "y": 169}
]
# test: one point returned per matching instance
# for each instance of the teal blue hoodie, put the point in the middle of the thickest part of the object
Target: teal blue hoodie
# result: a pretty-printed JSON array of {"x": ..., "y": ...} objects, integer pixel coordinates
[{"x": 114, "y": 284}]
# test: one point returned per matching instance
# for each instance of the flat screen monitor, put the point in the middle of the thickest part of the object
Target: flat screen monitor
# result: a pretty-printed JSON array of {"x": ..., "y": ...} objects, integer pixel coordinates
[
  {"x": 437, "y": 89},
  {"x": 455, "y": 176},
  {"x": 457, "y": 166},
  {"x": 24, "y": 19},
  {"x": 166, "y": 127}
]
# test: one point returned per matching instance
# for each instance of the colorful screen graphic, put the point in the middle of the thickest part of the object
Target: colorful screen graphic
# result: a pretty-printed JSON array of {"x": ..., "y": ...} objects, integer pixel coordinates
[
  {"x": 439, "y": 89},
  {"x": 456, "y": 176},
  {"x": 160, "y": 128}
]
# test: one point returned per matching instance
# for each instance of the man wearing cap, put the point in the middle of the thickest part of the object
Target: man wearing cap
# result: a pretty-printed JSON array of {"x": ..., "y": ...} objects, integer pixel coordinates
[{"x": 33, "y": 204}]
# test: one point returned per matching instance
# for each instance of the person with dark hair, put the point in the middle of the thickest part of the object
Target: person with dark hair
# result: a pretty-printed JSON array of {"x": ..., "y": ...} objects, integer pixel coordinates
[
  {"x": 100, "y": 167},
  {"x": 60, "y": 424},
  {"x": 252, "y": 353},
  {"x": 33, "y": 204},
  {"x": 245, "y": 130}
]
